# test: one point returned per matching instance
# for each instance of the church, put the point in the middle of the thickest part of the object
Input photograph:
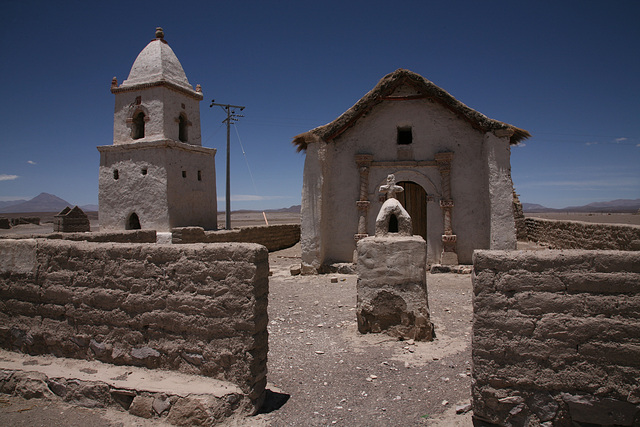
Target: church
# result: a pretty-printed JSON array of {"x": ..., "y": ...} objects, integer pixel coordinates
[
  {"x": 156, "y": 175},
  {"x": 452, "y": 161}
]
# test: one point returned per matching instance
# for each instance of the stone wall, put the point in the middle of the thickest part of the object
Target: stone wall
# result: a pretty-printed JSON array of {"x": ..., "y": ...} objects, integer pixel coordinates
[
  {"x": 556, "y": 337},
  {"x": 274, "y": 237},
  {"x": 132, "y": 236},
  {"x": 583, "y": 235},
  {"x": 392, "y": 287},
  {"x": 198, "y": 309}
]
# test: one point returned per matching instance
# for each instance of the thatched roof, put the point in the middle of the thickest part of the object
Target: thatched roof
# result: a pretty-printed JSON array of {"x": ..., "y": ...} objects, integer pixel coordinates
[{"x": 383, "y": 92}]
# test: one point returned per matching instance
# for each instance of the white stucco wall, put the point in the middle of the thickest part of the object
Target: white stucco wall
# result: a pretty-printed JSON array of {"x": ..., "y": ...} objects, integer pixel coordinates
[
  {"x": 161, "y": 198},
  {"x": 435, "y": 129},
  {"x": 146, "y": 195},
  {"x": 192, "y": 202},
  {"x": 497, "y": 153},
  {"x": 162, "y": 106}
]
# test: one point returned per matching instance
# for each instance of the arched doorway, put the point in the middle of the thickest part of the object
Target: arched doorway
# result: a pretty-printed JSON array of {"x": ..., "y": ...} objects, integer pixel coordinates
[
  {"x": 133, "y": 223},
  {"x": 414, "y": 200}
]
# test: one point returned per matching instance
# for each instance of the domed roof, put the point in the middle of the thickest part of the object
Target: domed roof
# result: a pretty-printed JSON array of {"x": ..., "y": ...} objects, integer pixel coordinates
[{"x": 156, "y": 63}]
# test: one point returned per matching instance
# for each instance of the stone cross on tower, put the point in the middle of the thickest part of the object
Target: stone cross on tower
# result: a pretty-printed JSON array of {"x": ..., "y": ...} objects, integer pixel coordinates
[{"x": 391, "y": 188}]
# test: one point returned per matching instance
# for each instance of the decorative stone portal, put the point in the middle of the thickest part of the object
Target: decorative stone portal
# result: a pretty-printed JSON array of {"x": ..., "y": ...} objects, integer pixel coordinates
[{"x": 392, "y": 275}]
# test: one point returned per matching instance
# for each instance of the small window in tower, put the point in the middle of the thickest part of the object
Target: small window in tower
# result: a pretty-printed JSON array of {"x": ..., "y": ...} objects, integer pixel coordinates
[
  {"x": 183, "y": 106},
  {"x": 138, "y": 100},
  {"x": 199, "y": 175},
  {"x": 138, "y": 126},
  {"x": 405, "y": 136},
  {"x": 182, "y": 128},
  {"x": 116, "y": 174},
  {"x": 144, "y": 171},
  {"x": 184, "y": 174}
]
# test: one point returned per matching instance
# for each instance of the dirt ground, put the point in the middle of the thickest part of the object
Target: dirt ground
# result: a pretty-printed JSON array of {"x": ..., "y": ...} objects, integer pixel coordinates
[{"x": 322, "y": 371}]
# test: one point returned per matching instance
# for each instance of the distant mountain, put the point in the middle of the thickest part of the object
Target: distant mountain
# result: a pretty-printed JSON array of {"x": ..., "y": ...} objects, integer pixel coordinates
[
  {"x": 534, "y": 207},
  {"x": 43, "y": 202},
  {"x": 291, "y": 209},
  {"x": 618, "y": 206},
  {"x": 10, "y": 203},
  {"x": 89, "y": 208}
]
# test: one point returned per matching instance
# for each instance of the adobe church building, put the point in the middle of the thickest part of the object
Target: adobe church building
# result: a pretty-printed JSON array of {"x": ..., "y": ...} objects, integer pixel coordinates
[
  {"x": 453, "y": 162},
  {"x": 156, "y": 175}
]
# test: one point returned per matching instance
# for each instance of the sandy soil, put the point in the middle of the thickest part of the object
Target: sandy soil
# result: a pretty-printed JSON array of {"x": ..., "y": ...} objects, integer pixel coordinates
[{"x": 322, "y": 371}]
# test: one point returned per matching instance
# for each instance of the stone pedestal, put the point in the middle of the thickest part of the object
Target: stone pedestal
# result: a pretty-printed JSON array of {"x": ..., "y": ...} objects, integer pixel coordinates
[{"x": 392, "y": 287}]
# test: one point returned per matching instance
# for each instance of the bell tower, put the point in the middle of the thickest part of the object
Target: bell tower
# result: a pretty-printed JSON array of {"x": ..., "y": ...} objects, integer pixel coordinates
[
  {"x": 156, "y": 102},
  {"x": 156, "y": 174}
]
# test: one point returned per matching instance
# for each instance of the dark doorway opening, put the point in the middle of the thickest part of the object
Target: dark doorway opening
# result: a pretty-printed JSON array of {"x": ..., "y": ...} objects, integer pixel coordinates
[
  {"x": 414, "y": 200},
  {"x": 134, "y": 222},
  {"x": 393, "y": 224}
]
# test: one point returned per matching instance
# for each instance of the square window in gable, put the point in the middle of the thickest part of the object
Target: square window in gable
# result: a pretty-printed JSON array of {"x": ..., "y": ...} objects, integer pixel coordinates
[{"x": 405, "y": 135}]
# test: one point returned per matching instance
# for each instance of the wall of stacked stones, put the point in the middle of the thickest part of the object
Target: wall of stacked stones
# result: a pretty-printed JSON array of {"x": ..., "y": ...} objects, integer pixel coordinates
[
  {"x": 583, "y": 235},
  {"x": 198, "y": 309},
  {"x": 556, "y": 337},
  {"x": 131, "y": 236},
  {"x": 274, "y": 237}
]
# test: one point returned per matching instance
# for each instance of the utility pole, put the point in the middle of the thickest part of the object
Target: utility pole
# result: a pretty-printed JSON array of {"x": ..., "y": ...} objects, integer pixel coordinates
[{"x": 232, "y": 117}]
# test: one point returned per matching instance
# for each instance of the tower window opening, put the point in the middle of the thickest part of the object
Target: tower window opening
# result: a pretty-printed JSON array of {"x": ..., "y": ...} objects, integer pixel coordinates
[
  {"x": 405, "y": 136},
  {"x": 138, "y": 126},
  {"x": 199, "y": 175},
  {"x": 116, "y": 174},
  {"x": 182, "y": 128},
  {"x": 184, "y": 174},
  {"x": 144, "y": 171}
]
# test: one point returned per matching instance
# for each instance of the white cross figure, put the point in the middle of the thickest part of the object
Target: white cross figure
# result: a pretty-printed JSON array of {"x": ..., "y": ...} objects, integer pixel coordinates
[{"x": 391, "y": 188}]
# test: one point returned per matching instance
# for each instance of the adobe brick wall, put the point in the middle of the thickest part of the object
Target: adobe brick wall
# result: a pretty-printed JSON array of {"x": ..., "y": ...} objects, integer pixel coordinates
[
  {"x": 198, "y": 309},
  {"x": 583, "y": 235},
  {"x": 130, "y": 236},
  {"x": 274, "y": 237},
  {"x": 556, "y": 337}
]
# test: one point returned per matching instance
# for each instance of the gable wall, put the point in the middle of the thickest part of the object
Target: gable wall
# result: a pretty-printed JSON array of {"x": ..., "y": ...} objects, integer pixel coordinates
[{"x": 435, "y": 129}]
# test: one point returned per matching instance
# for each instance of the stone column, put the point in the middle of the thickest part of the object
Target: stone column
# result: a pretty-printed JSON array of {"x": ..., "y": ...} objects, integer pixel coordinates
[
  {"x": 449, "y": 255},
  {"x": 364, "y": 163}
]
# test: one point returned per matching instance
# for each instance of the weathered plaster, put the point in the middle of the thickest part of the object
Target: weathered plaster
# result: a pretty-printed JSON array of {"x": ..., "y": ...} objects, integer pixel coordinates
[{"x": 435, "y": 129}]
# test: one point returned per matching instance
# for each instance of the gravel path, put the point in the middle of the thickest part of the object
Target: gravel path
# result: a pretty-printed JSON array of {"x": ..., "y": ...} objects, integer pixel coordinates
[{"x": 334, "y": 375}]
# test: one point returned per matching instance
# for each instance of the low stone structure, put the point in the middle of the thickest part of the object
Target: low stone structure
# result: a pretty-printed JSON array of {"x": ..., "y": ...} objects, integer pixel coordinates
[
  {"x": 274, "y": 237},
  {"x": 176, "y": 398},
  {"x": 392, "y": 280},
  {"x": 556, "y": 337},
  {"x": 71, "y": 220},
  {"x": 132, "y": 236},
  {"x": 25, "y": 220},
  {"x": 583, "y": 235},
  {"x": 196, "y": 309}
]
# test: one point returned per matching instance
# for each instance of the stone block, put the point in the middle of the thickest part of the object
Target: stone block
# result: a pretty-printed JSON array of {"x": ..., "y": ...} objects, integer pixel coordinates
[{"x": 392, "y": 287}]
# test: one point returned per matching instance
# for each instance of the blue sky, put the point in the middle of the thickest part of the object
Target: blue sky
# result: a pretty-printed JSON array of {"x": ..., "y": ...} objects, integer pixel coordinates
[{"x": 567, "y": 71}]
